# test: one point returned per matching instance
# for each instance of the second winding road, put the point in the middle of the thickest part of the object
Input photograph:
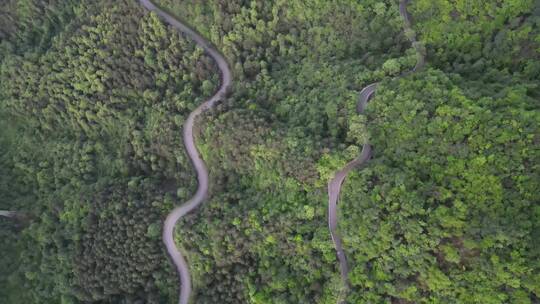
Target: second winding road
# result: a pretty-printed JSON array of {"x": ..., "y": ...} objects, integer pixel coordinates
[{"x": 334, "y": 185}]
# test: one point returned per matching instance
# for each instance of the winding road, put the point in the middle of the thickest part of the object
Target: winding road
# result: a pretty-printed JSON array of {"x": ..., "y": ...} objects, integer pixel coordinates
[
  {"x": 334, "y": 185},
  {"x": 189, "y": 142}
]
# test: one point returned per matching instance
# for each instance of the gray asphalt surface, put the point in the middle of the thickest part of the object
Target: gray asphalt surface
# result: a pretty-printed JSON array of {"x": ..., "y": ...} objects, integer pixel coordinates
[
  {"x": 334, "y": 185},
  {"x": 198, "y": 163},
  {"x": 7, "y": 213}
]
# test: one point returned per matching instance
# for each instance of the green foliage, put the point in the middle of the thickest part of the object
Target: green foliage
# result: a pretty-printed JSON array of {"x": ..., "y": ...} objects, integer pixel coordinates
[
  {"x": 27, "y": 25},
  {"x": 96, "y": 156},
  {"x": 472, "y": 36},
  {"x": 297, "y": 67},
  {"x": 446, "y": 210},
  {"x": 93, "y": 96}
]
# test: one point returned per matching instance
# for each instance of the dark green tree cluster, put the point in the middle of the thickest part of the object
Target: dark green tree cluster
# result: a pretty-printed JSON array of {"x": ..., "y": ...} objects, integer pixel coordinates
[
  {"x": 119, "y": 257},
  {"x": 92, "y": 149},
  {"x": 27, "y": 25},
  {"x": 475, "y": 36}
]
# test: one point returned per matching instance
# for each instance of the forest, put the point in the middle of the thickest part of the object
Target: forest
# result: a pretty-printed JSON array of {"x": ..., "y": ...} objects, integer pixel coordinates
[{"x": 94, "y": 95}]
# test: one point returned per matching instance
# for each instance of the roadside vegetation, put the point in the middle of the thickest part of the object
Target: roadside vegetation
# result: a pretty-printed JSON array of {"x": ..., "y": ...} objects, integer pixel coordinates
[
  {"x": 91, "y": 126},
  {"x": 93, "y": 95}
]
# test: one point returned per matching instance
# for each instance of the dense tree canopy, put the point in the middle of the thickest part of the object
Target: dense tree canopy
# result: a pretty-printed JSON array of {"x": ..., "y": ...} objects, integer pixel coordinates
[
  {"x": 99, "y": 156},
  {"x": 93, "y": 96},
  {"x": 446, "y": 210}
]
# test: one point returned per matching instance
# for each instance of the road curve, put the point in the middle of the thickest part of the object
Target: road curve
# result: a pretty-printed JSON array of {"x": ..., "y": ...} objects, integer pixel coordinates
[
  {"x": 189, "y": 142},
  {"x": 334, "y": 185}
]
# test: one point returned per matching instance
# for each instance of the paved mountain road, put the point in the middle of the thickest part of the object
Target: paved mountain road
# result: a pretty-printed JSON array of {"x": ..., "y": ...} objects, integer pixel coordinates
[
  {"x": 334, "y": 185},
  {"x": 7, "y": 213},
  {"x": 198, "y": 163}
]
